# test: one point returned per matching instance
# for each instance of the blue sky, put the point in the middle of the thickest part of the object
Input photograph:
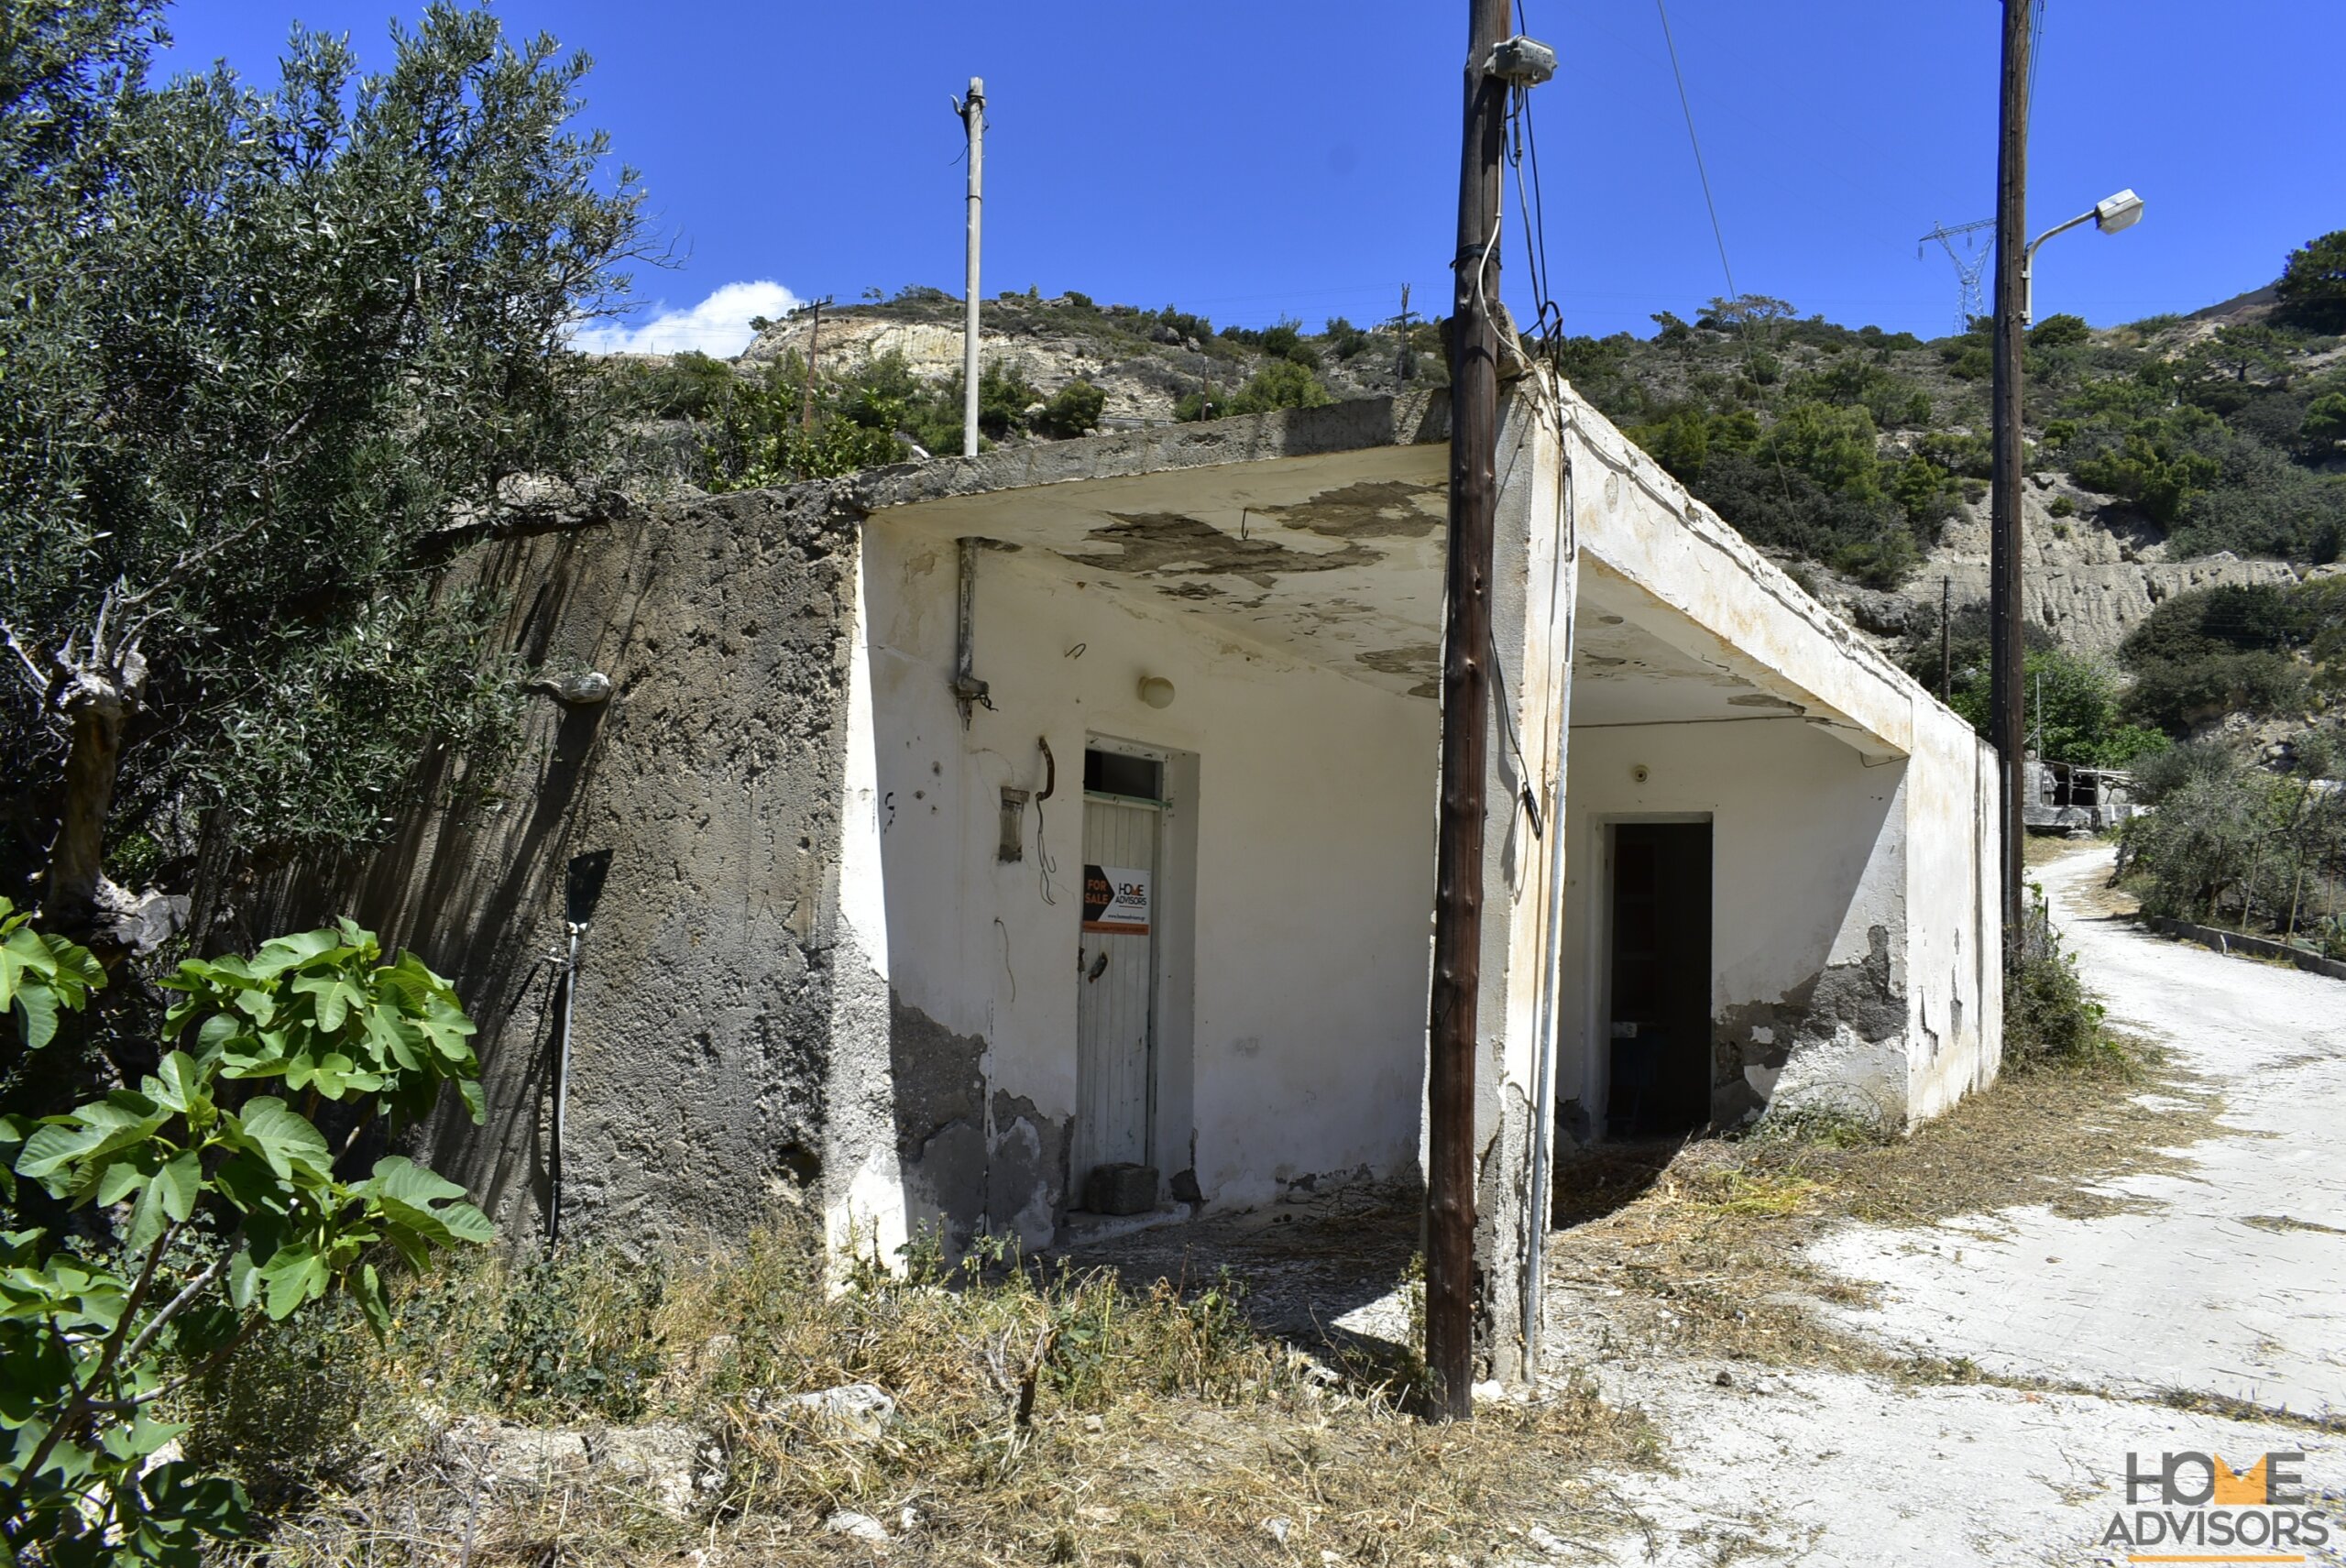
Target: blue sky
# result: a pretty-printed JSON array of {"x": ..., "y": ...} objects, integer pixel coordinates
[{"x": 1296, "y": 158}]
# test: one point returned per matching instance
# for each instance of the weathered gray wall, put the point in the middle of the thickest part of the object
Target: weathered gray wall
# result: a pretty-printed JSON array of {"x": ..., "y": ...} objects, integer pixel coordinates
[{"x": 710, "y": 777}]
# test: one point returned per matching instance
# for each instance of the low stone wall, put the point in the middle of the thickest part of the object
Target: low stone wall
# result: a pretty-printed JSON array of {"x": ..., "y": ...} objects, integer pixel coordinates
[{"x": 2237, "y": 942}]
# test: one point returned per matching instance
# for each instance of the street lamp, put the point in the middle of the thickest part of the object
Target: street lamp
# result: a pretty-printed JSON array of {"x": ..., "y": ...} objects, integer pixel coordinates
[{"x": 2112, "y": 214}]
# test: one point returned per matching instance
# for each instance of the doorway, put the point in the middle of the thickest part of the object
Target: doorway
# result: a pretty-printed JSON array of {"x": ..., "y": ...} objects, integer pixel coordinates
[
  {"x": 1116, "y": 968},
  {"x": 1660, "y": 1006}
]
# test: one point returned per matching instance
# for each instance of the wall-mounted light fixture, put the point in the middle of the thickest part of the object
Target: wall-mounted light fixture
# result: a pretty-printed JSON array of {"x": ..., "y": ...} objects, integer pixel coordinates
[{"x": 1156, "y": 691}]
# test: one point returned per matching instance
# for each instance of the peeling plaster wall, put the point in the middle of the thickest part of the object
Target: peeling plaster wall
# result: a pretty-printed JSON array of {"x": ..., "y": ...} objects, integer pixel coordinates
[
  {"x": 1292, "y": 1052},
  {"x": 1956, "y": 972},
  {"x": 1809, "y": 917},
  {"x": 1533, "y": 591},
  {"x": 1854, "y": 915}
]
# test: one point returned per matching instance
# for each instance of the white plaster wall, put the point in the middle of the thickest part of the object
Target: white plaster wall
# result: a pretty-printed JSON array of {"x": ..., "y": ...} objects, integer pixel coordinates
[
  {"x": 1805, "y": 846},
  {"x": 1312, "y": 812},
  {"x": 1956, "y": 969}
]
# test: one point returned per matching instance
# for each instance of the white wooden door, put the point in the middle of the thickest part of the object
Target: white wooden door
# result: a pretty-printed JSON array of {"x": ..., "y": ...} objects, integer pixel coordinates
[{"x": 1116, "y": 984}]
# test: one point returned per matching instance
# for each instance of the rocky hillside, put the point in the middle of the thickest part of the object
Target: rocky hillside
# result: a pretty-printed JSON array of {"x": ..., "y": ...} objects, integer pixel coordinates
[
  {"x": 2172, "y": 454},
  {"x": 1144, "y": 362}
]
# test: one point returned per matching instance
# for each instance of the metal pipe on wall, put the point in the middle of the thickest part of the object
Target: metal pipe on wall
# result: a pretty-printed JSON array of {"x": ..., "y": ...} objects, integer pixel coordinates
[{"x": 576, "y": 929}]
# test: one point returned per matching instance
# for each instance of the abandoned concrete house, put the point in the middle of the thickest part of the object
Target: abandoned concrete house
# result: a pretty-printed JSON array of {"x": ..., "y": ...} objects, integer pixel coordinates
[{"x": 959, "y": 830}]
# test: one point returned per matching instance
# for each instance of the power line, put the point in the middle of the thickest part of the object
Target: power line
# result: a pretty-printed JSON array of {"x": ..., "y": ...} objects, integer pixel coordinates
[{"x": 1701, "y": 173}]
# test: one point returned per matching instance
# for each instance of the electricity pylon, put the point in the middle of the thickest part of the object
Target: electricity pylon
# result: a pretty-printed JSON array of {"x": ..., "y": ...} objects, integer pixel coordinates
[{"x": 1970, "y": 262}]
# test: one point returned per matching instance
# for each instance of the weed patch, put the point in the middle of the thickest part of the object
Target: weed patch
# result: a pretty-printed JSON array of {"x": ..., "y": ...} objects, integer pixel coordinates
[{"x": 1044, "y": 1413}]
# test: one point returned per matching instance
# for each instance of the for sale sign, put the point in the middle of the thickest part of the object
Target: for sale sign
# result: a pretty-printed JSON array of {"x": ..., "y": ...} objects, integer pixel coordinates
[{"x": 1116, "y": 898}]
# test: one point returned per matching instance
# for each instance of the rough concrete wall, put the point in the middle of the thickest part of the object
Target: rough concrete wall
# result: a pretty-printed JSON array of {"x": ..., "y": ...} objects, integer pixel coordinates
[{"x": 709, "y": 779}]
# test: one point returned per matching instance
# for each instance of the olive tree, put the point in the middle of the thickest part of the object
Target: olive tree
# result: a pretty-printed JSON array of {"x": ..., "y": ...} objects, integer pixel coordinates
[{"x": 269, "y": 356}]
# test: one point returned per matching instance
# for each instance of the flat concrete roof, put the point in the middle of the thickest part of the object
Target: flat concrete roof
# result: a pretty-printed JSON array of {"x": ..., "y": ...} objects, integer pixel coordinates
[{"x": 1322, "y": 532}]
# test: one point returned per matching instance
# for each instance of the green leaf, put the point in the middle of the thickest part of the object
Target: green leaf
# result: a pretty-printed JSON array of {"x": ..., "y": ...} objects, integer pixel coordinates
[
  {"x": 121, "y": 1179},
  {"x": 146, "y": 1217},
  {"x": 368, "y": 1288},
  {"x": 181, "y": 1182},
  {"x": 293, "y": 1274},
  {"x": 424, "y": 1202},
  {"x": 243, "y": 1280},
  {"x": 182, "y": 1085},
  {"x": 37, "y": 1004},
  {"x": 469, "y": 1091},
  {"x": 284, "y": 1138},
  {"x": 281, "y": 953},
  {"x": 216, "y": 1505},
  {"x": 330, "y": 999}
]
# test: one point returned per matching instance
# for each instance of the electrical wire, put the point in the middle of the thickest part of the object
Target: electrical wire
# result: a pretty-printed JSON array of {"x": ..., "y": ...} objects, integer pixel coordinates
[{"x": 1701, "y": 173}]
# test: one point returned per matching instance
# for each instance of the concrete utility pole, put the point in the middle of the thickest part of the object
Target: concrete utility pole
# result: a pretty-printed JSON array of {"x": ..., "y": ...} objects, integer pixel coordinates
[
  {"x": 972, "y": 110},
  {"x": 1465, "y": 729},
  {"x": 2008, "y": 700}
]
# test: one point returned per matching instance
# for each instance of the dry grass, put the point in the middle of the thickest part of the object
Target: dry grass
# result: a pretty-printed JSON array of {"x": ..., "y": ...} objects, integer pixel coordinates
[
  {"x": 1700, "y": 1249},
  {"x": 1161, "y": 1429}
]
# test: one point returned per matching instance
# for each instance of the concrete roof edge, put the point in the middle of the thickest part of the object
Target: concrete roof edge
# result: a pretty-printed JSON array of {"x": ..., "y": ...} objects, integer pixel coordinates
[
  {"x": 1629, "y": 458},
  {"x": 1410, "y": 419}
]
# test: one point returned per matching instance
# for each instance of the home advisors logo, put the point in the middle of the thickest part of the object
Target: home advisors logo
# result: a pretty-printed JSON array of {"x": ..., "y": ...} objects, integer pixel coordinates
[{"x": 2209, "y": 1512}]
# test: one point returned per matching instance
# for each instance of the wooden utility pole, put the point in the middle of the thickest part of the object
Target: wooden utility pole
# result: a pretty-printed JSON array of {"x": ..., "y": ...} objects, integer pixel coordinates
[
  {"x": 2007, "y": 699},
  {"x": 972, "y": 110},
  {"x": 1466, "y": 730},
  {"x": 814, "y": 342},
  {"x": 1946, "y": 641},
  {"x": 1401, "y": 360}
]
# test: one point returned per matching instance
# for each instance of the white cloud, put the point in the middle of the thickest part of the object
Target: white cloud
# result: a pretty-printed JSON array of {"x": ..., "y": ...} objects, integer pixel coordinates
[{"x": 718, "y": 326}]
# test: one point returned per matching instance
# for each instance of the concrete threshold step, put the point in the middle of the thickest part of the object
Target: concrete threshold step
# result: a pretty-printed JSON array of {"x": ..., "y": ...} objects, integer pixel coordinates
[{"x": 1083, "y": 1230}]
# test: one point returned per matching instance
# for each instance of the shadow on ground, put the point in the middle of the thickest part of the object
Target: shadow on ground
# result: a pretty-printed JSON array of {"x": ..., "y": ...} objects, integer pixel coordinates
[
  {"x": 1599, "y": 1178},
  {"x": 1330, "y": 1274}
]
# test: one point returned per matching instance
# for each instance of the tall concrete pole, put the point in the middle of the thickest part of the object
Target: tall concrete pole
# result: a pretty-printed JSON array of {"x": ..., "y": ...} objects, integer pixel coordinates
[
  {"x": 973, "y": 117},
  {"x": 2007, "y": 700},
  {"x": 1465, "y": 731}
]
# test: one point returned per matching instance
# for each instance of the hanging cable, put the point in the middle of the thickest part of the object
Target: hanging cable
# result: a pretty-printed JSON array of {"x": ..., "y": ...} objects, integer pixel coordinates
[{"x": 1701, "y": 173}]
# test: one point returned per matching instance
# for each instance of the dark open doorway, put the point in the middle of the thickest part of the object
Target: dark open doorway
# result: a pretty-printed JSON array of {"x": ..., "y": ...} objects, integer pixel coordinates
[{"x": 1661, "y": 981}]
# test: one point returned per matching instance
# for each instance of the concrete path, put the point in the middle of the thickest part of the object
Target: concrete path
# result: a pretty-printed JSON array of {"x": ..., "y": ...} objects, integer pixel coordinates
[{"x": 2227, "y": 1278}]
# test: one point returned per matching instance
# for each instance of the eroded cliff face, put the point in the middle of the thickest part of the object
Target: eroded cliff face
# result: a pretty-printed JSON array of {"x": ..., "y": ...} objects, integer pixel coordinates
[{"x": 2088, "y": 579}]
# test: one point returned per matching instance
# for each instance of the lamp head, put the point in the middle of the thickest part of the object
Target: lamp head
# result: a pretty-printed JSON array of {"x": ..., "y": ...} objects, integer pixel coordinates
[{"x": 2122, "y": 211}]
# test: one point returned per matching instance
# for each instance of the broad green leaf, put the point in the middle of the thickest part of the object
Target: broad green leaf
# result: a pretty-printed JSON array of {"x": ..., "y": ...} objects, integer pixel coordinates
[
  {"x": 425, "y": 1203},
  {"x": 294, "y": 1276},
  {"x": 122, "y": 1177},
  {"x": 181, "y": 1085},
  {"x": 331, "y": 996},
  {"x": 180, "y": 1183},
  {"x": 469, "y": 1091},
  {"x": 281, "y": 953},
  {"x": 36, "y": 1008},
  {"x": 147, "y": 1219},
  {"x": 243, "y": 1280},
  {"x": 368, "y": 1288},
  {"x": 284, "y": 1138}
]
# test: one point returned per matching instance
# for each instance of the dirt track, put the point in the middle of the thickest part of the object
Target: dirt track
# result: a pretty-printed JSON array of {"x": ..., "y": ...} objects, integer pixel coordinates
[{"x": 2220, "y": 1284}]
